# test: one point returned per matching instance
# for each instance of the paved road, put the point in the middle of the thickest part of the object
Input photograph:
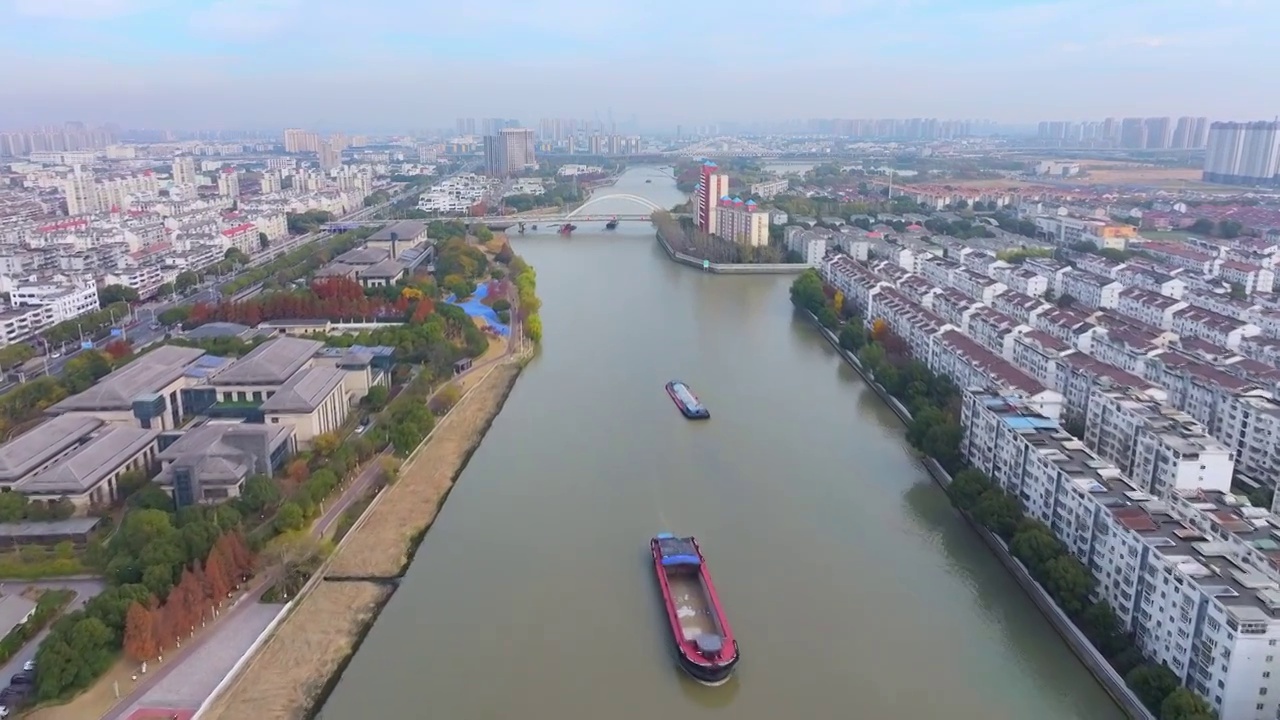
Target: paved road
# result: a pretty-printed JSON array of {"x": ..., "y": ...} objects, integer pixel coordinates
[
  {"x": 84, "y": 589},
  {"x": 198, "y": 668}
]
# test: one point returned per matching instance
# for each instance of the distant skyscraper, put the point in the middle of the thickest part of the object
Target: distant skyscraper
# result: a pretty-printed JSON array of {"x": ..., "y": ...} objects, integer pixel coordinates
[
  {"x": 1159, "y": 132},
  {"x": 229, "y": 183},
  {"x": 508, "y": 151},
  {"x": 466, "y": 126},
  {"x": 1243, "y": 153},
  {"x": 330, "y": 156},
  {"x": 1133, "y": 133},
  {"x": 300, "y": 141}
]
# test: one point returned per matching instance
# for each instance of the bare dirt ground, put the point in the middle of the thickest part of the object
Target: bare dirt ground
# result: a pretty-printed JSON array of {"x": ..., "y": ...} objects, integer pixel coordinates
[
  {"x": 381, "y": 547},
  {"x": 304, "y": 653}
]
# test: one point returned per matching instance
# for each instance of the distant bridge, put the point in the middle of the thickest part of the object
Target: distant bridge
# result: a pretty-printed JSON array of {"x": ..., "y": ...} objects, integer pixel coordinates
[{"x": 498, "y": 222}]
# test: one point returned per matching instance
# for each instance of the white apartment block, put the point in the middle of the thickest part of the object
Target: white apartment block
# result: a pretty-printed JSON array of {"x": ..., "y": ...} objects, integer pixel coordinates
[
  {"x": 274, "y": 225},
  {"x": 1193, "y": 600},
  {"x": 67, "y": 301},
  {"x": 1065, "y": 231},
  {"x": 1160, "y": 448},
  {"x": 1042, "y": 357},
  {"x": 1149, "y": 307},
  {"x": 1133, "y": 276},
  {"x": 742, "y": 223},
  {"x": 1211, "y": 327},
  {"x": 770, "y": 189},
  {"x": 809, "y": 244},
  {"x": 1018, "y": 305},
  {"x": 1253, "y": 278},
  {"x": 1092, "y": 291},
  {"x": 86, "y": 194},
  {"x": 1026, "y": 282},
  {"x": 1249, "y": 424},
  {"x": 1052, "y": 270},
  {"x": 1180, "y": 256},
  {"x": 979, "y": 287}
]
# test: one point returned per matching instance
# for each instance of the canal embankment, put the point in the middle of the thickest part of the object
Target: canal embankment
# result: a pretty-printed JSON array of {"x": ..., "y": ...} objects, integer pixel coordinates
[
  {"x": 730, "y": 268},
  {"x": 1097, "y": 665},
  {"x": 329, "y": 619}
]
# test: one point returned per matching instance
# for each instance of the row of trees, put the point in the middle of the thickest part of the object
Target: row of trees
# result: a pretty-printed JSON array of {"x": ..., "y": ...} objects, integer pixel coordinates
[
  {"x": 934, "y": 403},
  {"x": 335, "y": 298},
  {"x": 92, "y": 326},
  {"x": 28, "y": 401},
  {"x": 151, "y": 627},
  {"x": 1071, "y": 585},
  {"x": 685, "y": 238},
  {"x": 527, "y": 302},
  {"x": 309, "y": 221},
  {"x": 298, "y": 263},
  {"x": 150, "y": 554}
]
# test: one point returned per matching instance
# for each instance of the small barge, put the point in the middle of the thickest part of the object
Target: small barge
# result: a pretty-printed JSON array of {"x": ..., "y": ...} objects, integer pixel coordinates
[
  {"x": 705, "y": 646},
  {"x": 611, "y": 225},
  {"x": 688, "y": 403}
]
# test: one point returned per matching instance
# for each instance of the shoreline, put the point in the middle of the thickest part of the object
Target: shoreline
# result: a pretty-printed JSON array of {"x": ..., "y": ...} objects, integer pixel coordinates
[
  {"x": 313, "y": 646},
  {"x": 729, "y": 268},
  {"x": 1098, "y": 667}
]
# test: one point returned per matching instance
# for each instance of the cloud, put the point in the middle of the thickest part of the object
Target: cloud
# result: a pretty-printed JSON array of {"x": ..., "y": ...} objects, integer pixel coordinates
[
  {"x": 78, "y": 9},
  {"x": 246, "y": 19}
]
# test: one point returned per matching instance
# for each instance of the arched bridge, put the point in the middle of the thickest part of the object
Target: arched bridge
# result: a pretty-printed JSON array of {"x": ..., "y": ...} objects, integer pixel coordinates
[{"x": 646, "y": 203}]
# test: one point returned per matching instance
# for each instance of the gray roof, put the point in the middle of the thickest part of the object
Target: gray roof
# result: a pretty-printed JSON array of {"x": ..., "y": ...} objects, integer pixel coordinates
[
  {"x": 362, "y": 256},
  {"x": 271, "y": 363},
  {"x": 90, "y": 463},
  {"x": 305, "y": 391},
  {"x": 37, "y": 446},
  {"x": 384, "y": 269},
  {"x": 337, "y": 269},
  {"x": 14, "y": 609},
  {"x": 48, "y": 528},
  {"x": 147, "y": 375},
  {"x": 211, "y": 449},
  {"x": 405, "y": 230},
  {"x": 216, "y": 330}
]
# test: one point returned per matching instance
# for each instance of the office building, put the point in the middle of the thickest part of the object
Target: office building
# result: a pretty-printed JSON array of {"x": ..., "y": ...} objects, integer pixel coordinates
[
  {"x": 509, "y": 151},
  {"x": 712, "y": 186},
  {"x": 1243, "y": 153}
]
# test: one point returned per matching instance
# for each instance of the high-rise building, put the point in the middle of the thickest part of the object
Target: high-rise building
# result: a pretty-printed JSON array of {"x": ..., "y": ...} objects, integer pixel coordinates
[
  {"x": 509, "y": 151},
  {"x": 229, "y": 183},
  {"x": 1243, "y": 153},
  {"x": 1133, "y": 133},
  {"x": 712, "y": 186},
  {"x": 1159, "y": 131},
  {"x": 330, "y": 156},
  {"x": 81, "y": 195},
  {"x": 184, "y": 170},
  {"x": 300, "y": 141},
  {"x": 466, "y": 126}
]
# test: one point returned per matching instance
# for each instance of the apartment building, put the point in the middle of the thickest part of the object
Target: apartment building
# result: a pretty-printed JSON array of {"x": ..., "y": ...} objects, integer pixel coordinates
[
  {"x": 1132, "y": 275},
  {"x": 1041, "y": 356},
  {"x": 1159, "y": 447},
  {"x": 770, "y": 189},
  {"x": 1252, "y": 278},
  {"x": 1052, "y": 270},
  {"x": 1217, "y": 329},
  {"x": 1066, "y": 231},
  {"x": 1248, "y": 422},
  {"x": 1026, "y": 282},
  {"x": 810, "y": 244},
  {"x": 242, "y": 237},
  {"x": 993, "y": 330},
  {"x": 1193, "y": 600},
  {"x": 745, "y": 223},
  {"x": 1091, "y": 291},
  {"x": 1149, "y": 307},
  {"x": 1181, "y": 256},
  {"x": 979, "y": 287},
  {"x": 1018, "y": 305}
]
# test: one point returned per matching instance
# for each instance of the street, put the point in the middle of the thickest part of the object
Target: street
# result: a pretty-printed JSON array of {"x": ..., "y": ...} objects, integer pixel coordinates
[
  {"x": 84, "y": 589},
  {"x": 190, "y": 675}
]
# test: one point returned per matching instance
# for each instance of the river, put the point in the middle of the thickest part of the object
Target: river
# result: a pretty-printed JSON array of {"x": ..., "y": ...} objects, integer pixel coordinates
[{"x": 854, "y": 589}]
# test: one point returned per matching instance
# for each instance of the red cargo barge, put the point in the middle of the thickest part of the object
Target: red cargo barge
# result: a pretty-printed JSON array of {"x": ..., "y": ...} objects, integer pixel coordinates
[{"x": 705, "y": 645}]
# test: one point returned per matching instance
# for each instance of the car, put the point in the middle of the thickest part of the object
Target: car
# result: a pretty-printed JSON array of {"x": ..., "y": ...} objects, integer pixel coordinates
[
  {"x": 29, "y": 665},
  {"x": 55, "y": 355},
  {"x": 4, "y": 711},
  {"x": 19, "y": 679}
]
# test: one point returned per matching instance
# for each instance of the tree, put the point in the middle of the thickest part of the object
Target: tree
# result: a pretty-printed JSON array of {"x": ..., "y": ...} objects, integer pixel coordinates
[
  {"x": 1152, "y": 684},
  {"x": 852, "y": 337},
  {"x": 1069, "y": 582},
  {"x": 113, "y": 294},
  {"x": 445, "y": 398},
  {"x": 13, "y": 355},
  {"x": 289, "y": 518},
  {"x": 1202, "y": 226},
  {"x": 185, "y": 281},
  {"x": 377, "y": 397},
  {"x": 325, "y": 444},
  {"x": 806, "y": 292},
  {"x": 139, "y": 633},
  {"x": 218, "y": 576},
  {"x": 504, "y": 254},
  {"x": 264, "y": 242},
  {"x": 1183, "y": 704},
  {"x": 118, "y": 349},
  {"x": 968, "y": 487},
  {"x": 1035, "y": 547},
  {"x": 1099, "y": 623},
  {"x": 998, "y": 513}
]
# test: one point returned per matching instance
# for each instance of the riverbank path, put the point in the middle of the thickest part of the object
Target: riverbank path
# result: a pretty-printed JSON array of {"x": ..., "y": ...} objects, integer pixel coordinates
[{"x": 189, "y": 676}]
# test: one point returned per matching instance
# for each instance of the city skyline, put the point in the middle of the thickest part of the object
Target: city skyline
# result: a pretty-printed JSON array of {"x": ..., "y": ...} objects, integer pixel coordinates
[{"x": 262, "y": 63}]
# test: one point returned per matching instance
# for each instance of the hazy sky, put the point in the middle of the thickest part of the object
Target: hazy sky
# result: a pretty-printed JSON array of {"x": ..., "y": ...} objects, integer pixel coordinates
[{"x": 400, "y": 64}]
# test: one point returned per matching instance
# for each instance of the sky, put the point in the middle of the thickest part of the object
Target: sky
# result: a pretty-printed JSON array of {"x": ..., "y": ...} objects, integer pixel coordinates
[{"x": 388, "y": 65}]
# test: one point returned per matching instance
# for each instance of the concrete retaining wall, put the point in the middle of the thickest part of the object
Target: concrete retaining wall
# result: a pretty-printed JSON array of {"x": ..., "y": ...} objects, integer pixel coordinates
[
  {"x": 731, "y": 268},
  {"x": 242, "y": 662},
  {"x": 1079, "y": 644}
]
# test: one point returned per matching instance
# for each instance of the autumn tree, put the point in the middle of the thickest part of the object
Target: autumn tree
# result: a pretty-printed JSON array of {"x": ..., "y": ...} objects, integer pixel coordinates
[
  {"x": 118, "y": 349},
  {"x": 139, "y": 633},
  {"x": 218, "y": 579},
  {"x": 879, "y": 328}
]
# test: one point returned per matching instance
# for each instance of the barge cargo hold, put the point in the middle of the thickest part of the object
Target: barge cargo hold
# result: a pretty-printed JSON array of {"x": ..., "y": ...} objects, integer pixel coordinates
[{"x": 705, "y": 645}]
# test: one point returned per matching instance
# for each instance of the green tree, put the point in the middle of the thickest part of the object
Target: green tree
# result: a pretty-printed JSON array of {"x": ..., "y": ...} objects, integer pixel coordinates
[
  {"x": 806, "y": 292},
  {"x": 1070, "y": 584},
  {"x": 852, "y": 336},
  {"x": 1152, "y": 684},
  {"x": 998, "y": 513},
  {"x": 113, "y": 294},
  {"x": 174, "y": 316},
  {"x": 260, "y": 493},
  {"x": 1099, "y": 623},
  {"x": 14, "y": 355},
  {"x": 968, "y": 487},
  {"x": 264, "y": 242},
  {"x": 235, "y": 255},
  {"x": 1184, "y": 704},
  {"x": 828, "y": 318},
  {"x": 1229, "y": 229},
  {"x": 289, "y": 518},
  {"x": 376, "y": 398},
  {"x": 1036, "y": 546},
  {"x": 185, "y": 281},
  {"x": 483, "y": 233},
  {"x": 1202, "y": 226}
]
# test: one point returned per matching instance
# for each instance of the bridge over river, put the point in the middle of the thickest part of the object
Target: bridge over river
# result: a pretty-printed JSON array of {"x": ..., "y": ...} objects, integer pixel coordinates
[{"x": 502, "y": 222}]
